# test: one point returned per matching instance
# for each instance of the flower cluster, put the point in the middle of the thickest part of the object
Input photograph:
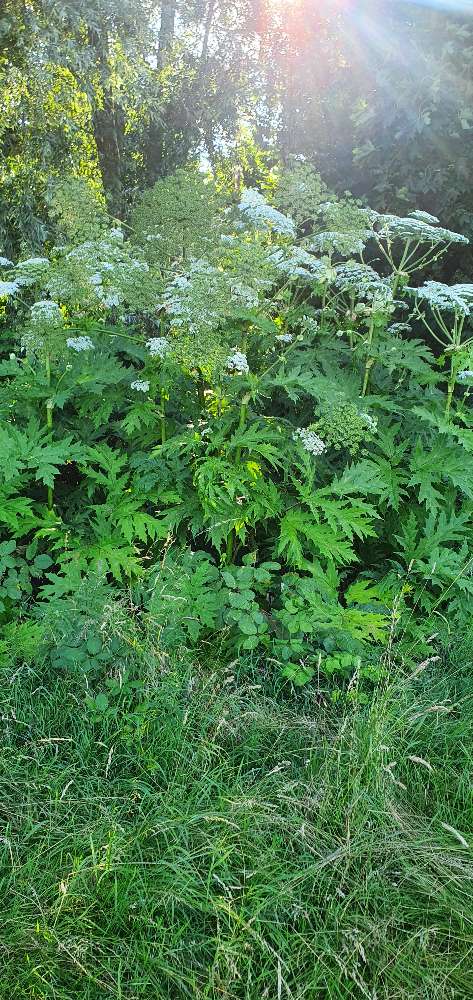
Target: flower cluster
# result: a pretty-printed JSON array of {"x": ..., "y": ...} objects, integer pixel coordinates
[
  {"x": 298, "y": 263},
  {"x": 356, "y": 277},
  {"x": 343, "y": 244},
  {"x": 158, "y": 347},
  {"x": 344, "y": 427},
  {"x": 238, "y": 363},
  {"x": 444, "y": 297},
  {"x": 285, "y": 338},
  {"x": 310, "y": 441},
  {"x": 103, "y": 274},
  {"x": 8, "y": 288},
  {"x": 255, "y": 210},
  {"x": 46, "y": 312},
  {"x": 370, "y": 422},
  {"x": 431, "y": 220},
  {"x": 140, "y": 386},
  {"x": 79, "y": 344},
  {"x": 465, "y": 374},
  {"x": 412, "y": 227}
]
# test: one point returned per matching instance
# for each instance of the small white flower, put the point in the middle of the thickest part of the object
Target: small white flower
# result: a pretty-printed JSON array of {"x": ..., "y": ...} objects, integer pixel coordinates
[
  {"x": 158, "y": 347},
  {"x": 46, "y": 311},
  {"x": 310, "y": 440},
  {"x": 285, "y": 338},
  {"x": 34, "y": 262},
  {"x": 238, "y": 362},
  {"x": 8, "y": 288},
  {"x": 80, "y": 344},
  {"x": 140, "y": 386},
  {"x": 117, "y": 234},
  {"x": 95, "y": 279},
  {"x": 112, "y": 299},
  {"x": 466, "y": 373},
  {"x": 4, "y": 262},
  {"x": 371, "y": 422}
]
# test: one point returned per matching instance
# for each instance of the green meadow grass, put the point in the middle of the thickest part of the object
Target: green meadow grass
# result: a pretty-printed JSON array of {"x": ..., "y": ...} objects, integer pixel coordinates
[{"x": 229, "y": 844}]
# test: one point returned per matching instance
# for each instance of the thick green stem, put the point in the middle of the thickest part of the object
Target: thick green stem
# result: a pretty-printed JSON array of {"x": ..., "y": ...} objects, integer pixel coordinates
[
  {"x": 369, "y": 360},
  {"x": 163, "y": 416},
  {"x": 49, "y": 423},
  {"x": 201, "y": 391},
  {"x": 231, "y": 538},
  {"x": 450, "y": 388}
]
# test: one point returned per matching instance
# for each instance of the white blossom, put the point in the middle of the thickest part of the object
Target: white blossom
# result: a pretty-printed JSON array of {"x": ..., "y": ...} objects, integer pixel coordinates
[
  {"x": 298, "y": 263},
  {"x": 96, "y": 279},
  {"x": 46, "y": 311},
  {"x": 5, "y": 262},
  {"x": 466, "y": 373},
  {"x": 444, "y": 297},
  {"x": 158, "y": 347},
  {"x": 8, "y": 288},
  {"x": 112, "y": 299},
  {"x": 344, "y": 244},
  {"x": 285, "y": 338},
  {"x": 371, "y": 422},
  {"x": 310, "y": 440},
  {"x": 140, "y": 386},
  {"x": 80, "y": 344},
  {"x": 424, "y": 217},
  {"x": 34, "y": 262},
  {"x": 258, "y": 213},
  {"x": 413, "y": 228},
  {"x": 238, "y": 362}
]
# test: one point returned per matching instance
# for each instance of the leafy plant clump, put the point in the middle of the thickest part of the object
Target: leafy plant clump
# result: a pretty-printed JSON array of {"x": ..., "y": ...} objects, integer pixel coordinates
[{"x": 259, "y": 423}]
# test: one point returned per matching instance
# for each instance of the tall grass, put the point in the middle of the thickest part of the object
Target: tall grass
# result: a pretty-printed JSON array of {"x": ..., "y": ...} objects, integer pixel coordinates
[{"x": 224, "y": 845}]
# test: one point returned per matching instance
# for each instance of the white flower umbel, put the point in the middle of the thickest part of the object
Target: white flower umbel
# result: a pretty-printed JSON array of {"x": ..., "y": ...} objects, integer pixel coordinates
[
  {"x": 370, "y": 422},
  {"x": 465, "y": 374},
  {"x": 431, "y": 220},
  {"x": 46, "y": 312},
  {"x": 393, "y": 227},
  {"x": 345, "y": 244},
  {"x": 310, "y": 440},
  {"x": 285, "y": 338},
  {"x": 5, "y": 262},
  {"x": 238, "y": 363},
  {"x": 79, "y": 344},
  {"x": 140, "y": 386},
  {"x": 158, "y": 347},
  {"x": 255, "y": 209},
  {"x": 8, "y": 288},
  {"x": 444, "y": 297}
]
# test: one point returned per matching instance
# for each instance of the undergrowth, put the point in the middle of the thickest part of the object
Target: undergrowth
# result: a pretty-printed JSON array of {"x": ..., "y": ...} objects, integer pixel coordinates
[{"x": 231, "y": 842}]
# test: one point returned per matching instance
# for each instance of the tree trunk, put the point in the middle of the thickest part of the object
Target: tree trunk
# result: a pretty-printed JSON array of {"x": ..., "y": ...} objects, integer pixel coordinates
[
  {"x": 166, "y": 30},
  {"x": 108, "y": 126}
]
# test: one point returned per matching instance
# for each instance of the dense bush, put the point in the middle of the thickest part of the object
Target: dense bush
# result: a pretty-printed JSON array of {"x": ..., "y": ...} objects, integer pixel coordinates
[{"x": 261, "y": 425}]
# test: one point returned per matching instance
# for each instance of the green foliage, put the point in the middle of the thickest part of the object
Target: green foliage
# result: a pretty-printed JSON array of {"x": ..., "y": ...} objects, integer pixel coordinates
[
  {"x": 239, "y": 437},
  {"x": 177, "y": 218}
]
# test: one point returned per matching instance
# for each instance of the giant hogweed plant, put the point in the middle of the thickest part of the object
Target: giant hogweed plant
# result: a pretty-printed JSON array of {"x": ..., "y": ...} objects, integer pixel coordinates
[{"x": 262, "y": 441}]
